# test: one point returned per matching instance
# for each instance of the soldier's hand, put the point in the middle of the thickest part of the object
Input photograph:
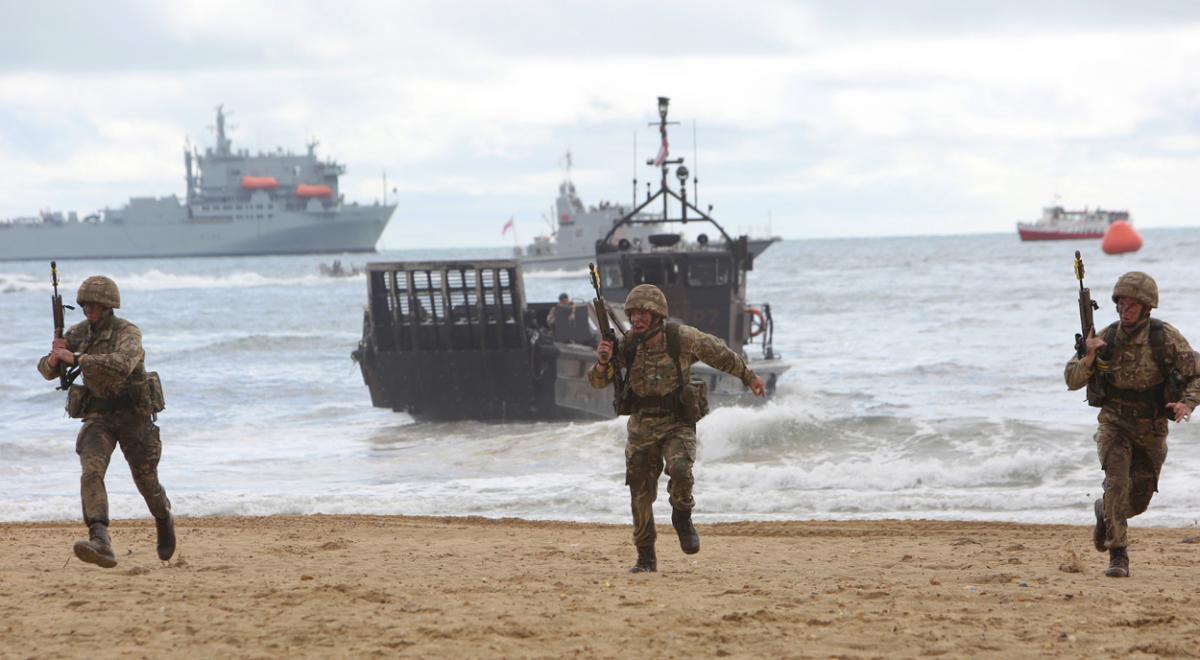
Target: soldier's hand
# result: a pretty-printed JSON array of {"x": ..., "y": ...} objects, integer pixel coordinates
[
  {"x": 62, "y": 355},
  {"x": 758, "y": 387},
  {"x": 1182, "y": 411},
  {"x": 1093, "y": 343},
  {"x": 59, "y": 343},
  {"x": 604, "y": 351}
]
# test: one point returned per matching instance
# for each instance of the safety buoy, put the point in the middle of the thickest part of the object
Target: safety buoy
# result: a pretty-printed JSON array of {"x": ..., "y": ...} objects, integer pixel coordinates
[
  {"x": 758, "y": 323},
  {"x": 1120, "y": 238}
]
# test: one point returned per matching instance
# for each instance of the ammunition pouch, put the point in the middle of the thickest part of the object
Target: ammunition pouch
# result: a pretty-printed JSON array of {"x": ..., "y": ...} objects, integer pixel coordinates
[
  {"x": 77, "y": 401},
  {"x": 145, "y": 394},
  {"x": 693, "y": 400}
]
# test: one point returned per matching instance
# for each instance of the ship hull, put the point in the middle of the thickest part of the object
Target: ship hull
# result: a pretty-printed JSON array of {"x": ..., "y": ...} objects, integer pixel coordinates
[
  {"x": 1053, "y": 235},
  {"x": 351, "y": 229}
]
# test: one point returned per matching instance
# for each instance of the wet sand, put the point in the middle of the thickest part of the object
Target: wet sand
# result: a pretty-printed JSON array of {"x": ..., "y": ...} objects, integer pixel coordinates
[{"x": 353, "y": 586}]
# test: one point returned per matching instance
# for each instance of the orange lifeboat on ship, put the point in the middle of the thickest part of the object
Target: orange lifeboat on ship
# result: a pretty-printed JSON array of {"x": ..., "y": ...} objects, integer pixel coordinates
[
  {"x": 1121, "y": 238},
  {"x": 308, "y": 191},
  {"x": 259, "y": 183}
]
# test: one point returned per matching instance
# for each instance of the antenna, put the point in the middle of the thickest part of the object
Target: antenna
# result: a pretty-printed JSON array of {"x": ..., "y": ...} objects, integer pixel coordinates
[
  {"x": 635, "y": 168},
  {"x": 695, "y": 167}
]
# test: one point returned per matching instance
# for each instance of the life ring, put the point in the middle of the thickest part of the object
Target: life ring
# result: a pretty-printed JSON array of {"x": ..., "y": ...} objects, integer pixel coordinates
[{"x": 758, "y": 323}]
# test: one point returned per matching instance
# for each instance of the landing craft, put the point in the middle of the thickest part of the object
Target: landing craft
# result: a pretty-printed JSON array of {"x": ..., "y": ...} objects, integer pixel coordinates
[{"x": 453, "y": 340}]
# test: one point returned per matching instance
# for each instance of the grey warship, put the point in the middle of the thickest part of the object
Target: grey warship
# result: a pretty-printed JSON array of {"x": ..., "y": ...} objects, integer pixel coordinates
[
  {"x": 572, "y": 242},
  {"x": 454, "y": 340},
  {"x": 235, "y": 204}
]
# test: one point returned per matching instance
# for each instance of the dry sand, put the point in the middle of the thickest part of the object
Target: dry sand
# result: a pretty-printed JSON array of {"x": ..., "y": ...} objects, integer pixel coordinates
[{"x": 333, "y": 586}]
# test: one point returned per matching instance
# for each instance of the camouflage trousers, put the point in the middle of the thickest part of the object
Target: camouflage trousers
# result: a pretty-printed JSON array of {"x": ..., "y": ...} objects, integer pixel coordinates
[
  {"x": 1132, "y": 452},
  {"x": 650, "y": 448},
  {"x": 139, "y": 442}
]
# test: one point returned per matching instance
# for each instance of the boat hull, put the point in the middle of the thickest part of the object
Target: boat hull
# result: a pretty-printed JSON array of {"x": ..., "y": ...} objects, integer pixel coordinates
[
  {"x": 1052, "y": 235},
  {"x": 353, "y": 229}
]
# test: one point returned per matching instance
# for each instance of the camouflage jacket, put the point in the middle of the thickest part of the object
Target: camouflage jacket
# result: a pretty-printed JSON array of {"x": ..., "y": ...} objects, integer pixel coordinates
[
  {"x": 653, "y": 372},
  {"x": 111, "y": 353},
  {"x": 1132, "y": 365}
]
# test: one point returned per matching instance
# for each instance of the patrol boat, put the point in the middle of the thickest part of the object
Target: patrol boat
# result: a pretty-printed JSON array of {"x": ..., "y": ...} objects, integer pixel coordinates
[
  {"x": 453, "y": 340},
  {"x": 235, "y": 204}
]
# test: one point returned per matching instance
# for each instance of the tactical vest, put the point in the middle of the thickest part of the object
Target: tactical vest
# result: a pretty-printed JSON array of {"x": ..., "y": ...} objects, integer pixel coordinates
[
  {"x": 689, "y": 400},
  {"x": 1150, "y": 402}
]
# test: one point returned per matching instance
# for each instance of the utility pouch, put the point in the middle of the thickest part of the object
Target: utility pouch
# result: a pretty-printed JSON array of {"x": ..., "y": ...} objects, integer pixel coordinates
[
  {"x": 693, "y": 401},
  {"x": 157, "y": 402},
  {"x": 77, "y": 399},
  {"x": 145, "y": 394}
]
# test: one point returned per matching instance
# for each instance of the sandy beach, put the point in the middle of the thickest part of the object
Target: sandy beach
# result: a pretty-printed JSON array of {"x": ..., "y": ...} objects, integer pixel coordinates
[{"x": 351, "y": 586}]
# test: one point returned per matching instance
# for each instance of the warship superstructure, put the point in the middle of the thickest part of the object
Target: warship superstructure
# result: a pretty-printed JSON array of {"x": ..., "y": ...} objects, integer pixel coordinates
[
  {"x": 234, "y": 203},
  {"x": 572, "y": 244},
  {"x": 451, "y": 340}
]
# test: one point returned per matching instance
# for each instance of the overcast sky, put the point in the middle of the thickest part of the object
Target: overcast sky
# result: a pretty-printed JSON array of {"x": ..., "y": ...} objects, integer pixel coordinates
[{"x": 831, "y": 118}]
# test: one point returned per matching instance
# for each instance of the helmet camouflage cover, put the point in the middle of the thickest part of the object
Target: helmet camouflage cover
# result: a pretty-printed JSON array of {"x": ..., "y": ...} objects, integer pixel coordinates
[
  {"x": 100, "y": 290},
  {"x": 1139, "y": 286},
  {"x": 647, "y": 297}
]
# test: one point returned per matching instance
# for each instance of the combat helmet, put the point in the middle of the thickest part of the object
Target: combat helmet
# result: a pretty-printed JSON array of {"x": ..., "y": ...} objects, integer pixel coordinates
[
  {"x": 1139, "y": 286},
  {"x": 647, "y": 297},
  {"x": 100, "y": 290}
]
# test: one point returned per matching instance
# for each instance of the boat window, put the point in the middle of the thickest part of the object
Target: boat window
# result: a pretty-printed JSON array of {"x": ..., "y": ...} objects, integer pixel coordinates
[
  {"x": 658, "y": 272},
  {"x": 708, "y": 272},
  {"x": 610, "y": 276}
]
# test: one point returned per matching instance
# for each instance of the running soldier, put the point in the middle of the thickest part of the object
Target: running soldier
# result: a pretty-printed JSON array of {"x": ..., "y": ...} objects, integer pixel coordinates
[
  {"x": 1139, "y": 371},
  {"x": 662, "y": 425},
  {"x": 118, "y": 403}
]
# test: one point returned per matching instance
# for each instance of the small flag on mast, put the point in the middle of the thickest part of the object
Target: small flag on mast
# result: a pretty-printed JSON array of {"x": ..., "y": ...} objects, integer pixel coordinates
[
  {"x": 508, "y": 225},
  {"x": 663, "y": 151}
]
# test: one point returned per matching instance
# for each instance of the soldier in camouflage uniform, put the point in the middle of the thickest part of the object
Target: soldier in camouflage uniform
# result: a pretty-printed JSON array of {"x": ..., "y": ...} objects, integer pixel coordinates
[
  {"x": 1138, "y": 371},
  {"x": 117, "y": 408},
  {"x": 658, "y": 435}
]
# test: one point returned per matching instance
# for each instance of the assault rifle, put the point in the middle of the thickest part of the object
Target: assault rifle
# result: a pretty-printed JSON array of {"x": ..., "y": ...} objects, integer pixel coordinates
[
  {"x": 1086, "y": 307},
  {"x": 69, "y": 374},
  {"x": 606, "y": 320}
]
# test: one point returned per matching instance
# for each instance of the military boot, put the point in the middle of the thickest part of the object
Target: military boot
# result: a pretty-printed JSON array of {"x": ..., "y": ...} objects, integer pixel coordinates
[
  {"x": 689, "y": 540},
  {"x": 1118, "y": 563},
  {"x": 1100, "y": 531},
  {"x": 98, "y": 548},
  {"x": 166, "y": 536},
  {"x": 647, "y": 562}
]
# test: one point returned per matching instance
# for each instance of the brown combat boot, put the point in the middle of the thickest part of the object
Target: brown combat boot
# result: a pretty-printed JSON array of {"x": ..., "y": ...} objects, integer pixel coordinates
[
  {"x": 166, "y": 536},
  {"x": 647, "y": 562},
  {"x": 1118, "y": 563},
  {"x": 98, "y": 548},
  {"x": 1100, "y": 531},
  {"x": 689, "y": 540}
]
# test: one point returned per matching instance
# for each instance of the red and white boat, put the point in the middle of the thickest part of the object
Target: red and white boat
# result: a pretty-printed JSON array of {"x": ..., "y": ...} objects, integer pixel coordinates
[{"x": 1058, "y": 224}]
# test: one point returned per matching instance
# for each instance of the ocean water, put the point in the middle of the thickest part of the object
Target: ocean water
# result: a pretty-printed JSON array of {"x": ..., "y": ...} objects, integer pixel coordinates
[{"x": 925, "y": 382}]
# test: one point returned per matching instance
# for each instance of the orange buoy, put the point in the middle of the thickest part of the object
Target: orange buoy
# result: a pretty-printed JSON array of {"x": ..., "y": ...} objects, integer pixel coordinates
[{"x": 1121, "y": 238}]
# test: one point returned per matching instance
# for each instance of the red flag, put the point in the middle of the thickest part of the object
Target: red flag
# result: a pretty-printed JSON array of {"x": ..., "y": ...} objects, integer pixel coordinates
[
  {"x": 508, "y": 225},
  {"x": 663, "y": 151}
]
